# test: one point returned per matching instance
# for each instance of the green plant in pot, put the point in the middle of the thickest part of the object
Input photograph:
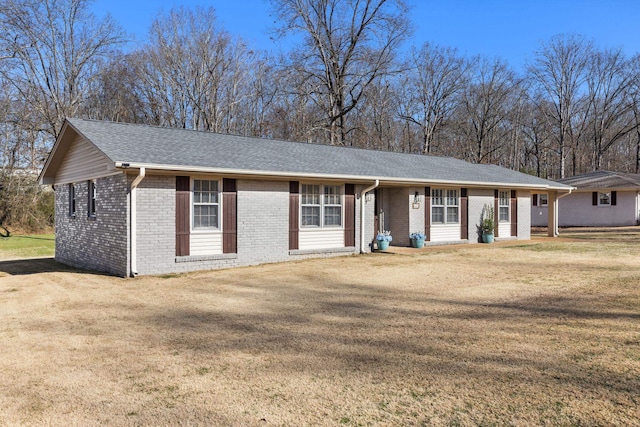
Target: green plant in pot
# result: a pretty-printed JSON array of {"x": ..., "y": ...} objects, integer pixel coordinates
[{"x": 487, "y": 224}]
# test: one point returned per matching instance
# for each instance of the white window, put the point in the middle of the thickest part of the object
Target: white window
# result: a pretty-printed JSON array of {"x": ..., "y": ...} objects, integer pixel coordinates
[
  {"x": 445, "y": 206},
  {"x": 604, "y": 199},
  {"x": 544, "y": 199},
  {"x": 206, "y": 204},
  {"x": 72, "y": 200},
  {"x": 321, "y": 205},
  {"x": 503, "y": 206},
  {"x": 92, "y": 199}
]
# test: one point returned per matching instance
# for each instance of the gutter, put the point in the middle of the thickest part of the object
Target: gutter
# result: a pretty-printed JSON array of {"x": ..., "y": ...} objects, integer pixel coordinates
[
  {"x": 362, "y": 210},
  {"x": 355, "y": 178},
  {"x": 556, "y": 233},
  {"x": 133, "y": 226}
]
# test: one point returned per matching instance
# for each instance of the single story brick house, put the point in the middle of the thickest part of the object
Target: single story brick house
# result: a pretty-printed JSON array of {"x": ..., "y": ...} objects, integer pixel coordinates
[
  {"x": 600, "y": 199},
  {"x": 137, "y": 199}
]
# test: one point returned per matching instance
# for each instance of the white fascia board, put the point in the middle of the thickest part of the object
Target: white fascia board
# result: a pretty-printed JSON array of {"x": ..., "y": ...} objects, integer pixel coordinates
[{"x": 358, "y": 178}]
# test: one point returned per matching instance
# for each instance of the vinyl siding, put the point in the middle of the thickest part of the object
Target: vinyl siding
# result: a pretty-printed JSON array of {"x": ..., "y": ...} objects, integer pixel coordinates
[
  {"x": 445, "y": 233},
  {"x": 82, "y": 161},
  {"x": 504, "y": 228},
  {"x": 321, "y": 239},
  {"x": 205, "y": 243}
]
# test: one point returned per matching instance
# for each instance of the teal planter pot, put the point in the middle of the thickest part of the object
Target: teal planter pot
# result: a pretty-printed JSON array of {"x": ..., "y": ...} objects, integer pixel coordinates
[
  {"x": 487, "y": 238},
  {"x": 383, "y": 245},
  {"x": 417, "y": 243}
]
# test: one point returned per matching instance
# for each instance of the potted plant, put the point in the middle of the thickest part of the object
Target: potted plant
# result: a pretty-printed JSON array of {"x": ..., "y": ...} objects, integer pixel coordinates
[
  {"x": 417, "y": 239},
  {"x": 383, "y": 238},
  {"x": 487, "y": 224}
]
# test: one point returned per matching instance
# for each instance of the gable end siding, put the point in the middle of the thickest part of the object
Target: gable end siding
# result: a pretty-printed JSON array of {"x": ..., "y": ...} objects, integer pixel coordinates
[{"x": 81, "y": 162}]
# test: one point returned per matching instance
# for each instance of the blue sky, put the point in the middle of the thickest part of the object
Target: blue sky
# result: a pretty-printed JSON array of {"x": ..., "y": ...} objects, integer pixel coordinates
[{"x": 509, "y": 29}]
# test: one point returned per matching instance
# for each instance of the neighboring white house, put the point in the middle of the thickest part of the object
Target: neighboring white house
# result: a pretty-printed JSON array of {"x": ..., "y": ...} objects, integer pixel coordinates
[
  {"x": 135, "y": 199},
  {"x": 601, "y": 199}
]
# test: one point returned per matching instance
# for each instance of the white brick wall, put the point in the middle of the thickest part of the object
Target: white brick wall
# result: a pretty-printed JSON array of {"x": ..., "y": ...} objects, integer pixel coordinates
[{"x": 99, "y": 243}]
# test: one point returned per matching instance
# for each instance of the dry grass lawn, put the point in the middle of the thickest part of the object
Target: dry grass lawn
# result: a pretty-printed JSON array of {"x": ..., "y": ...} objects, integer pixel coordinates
[{"x": 534, "y": 334}]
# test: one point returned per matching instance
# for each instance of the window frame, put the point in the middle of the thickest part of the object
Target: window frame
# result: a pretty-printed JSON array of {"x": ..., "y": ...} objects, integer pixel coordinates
[
  {"x": 193, "y": 204},
  {"x": 504, "y": 195},
  {"x": 546, "y": 199},
  {"x": 440, "y": 200},
  {"x": 92, "y": 198},
  {"x": 73, "y": 200},
  {"x": 607, "y": 194},
  {"x": 324, "y": 200}
]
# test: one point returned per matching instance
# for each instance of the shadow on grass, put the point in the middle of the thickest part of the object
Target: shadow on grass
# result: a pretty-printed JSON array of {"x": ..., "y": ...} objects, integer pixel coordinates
[{"x": 33, "y": 266}]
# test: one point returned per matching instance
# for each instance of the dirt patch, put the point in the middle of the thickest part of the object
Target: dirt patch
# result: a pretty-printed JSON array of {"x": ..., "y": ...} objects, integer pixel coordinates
[{"x": 522, "y": 334}]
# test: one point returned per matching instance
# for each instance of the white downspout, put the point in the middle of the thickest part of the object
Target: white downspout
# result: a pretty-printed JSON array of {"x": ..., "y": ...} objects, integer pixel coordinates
[
  {"x": 362, "y": 210},
  {"x": 133, "y": 228},
  {"x": 556, "y": 233}
]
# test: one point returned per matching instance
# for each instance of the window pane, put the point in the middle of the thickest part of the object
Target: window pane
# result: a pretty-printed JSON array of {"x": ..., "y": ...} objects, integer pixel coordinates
[
  {"x": 310, "y": 194},
  {"x": 605, "y": 198},
  {"x": 452, "y": 214},
  {"x": 332, "y": 216},
  {"x": 544, "y": 201},
  {"x": 504, "y": 213},
  {"x": 436, "y": 198},
  {"x": 504, "y": 198},
  {"x": 311, "y": 216},
  {"x": 332, "y": 195},
  {"x": 437, "y": 214},
  {"x": 452, "y": 197}
]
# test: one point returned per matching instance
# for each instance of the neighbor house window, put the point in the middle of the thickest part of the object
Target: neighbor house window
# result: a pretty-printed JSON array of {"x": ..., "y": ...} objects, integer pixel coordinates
[
  {"x": 206, "y": 204},
  {"x": 445, "y": 206},
  {"x": 91, "y": 185},
  {"x": 604, "y": 199},
  {"x": 321, "y": 205},
  {"x": 544, "y": 199},
  {"x": 503, "y": 206},
  {"x": 72, "y": 200}
]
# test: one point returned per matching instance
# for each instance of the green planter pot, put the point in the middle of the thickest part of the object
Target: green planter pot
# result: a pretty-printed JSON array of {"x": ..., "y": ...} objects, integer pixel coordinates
[
  {"x": 383, "y": 245},
  {"x": 417, "y": 243},
  {"x": 487, "y": 238}
]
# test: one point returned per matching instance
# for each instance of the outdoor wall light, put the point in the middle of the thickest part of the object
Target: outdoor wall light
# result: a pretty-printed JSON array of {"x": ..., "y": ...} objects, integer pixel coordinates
[{"x": 416, "y": 198}]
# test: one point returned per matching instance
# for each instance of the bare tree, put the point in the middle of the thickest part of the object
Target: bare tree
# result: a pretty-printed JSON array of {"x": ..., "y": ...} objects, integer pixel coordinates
[
  {"x": 435, "y": 79},
  {"x": 559, "y": 72},
  {"x": 52, "y": 48},
  {"x": 348, "y": 44},
  {"x": 609, "y": 82},
  {"x": 486, "y": 104}
]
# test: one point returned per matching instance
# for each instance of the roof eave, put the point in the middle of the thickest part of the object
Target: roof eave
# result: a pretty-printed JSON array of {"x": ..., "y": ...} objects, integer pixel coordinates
[{"x": 353, "y": 178}]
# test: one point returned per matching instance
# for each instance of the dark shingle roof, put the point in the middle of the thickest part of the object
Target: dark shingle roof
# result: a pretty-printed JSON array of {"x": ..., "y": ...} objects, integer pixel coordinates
[
  {"x": 603, "y": 179},
  {"x": 167, "y": 148}
]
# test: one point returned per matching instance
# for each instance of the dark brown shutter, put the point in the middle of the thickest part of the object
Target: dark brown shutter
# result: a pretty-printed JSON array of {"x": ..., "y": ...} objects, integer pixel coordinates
[
  {"x": 496, "y": 211},
  {"x": 294, "y": 214},
  {"x": 182, "y": 215},
  {"x": 349, "y": 215},
  {"x": 514, "y": 213},
  {"x": 614, "y": 198},
  {"x": 464, "y": 216},
  {"x": 535, "y": 200},
  {"x": 594, "y": 198},
  {"x": 229, "y": 216},
  {"x": 427, "y": 213}
]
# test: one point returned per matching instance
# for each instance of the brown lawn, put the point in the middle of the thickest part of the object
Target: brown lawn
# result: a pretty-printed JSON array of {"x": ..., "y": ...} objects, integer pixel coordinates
[{"x": 545, "y": 333}]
